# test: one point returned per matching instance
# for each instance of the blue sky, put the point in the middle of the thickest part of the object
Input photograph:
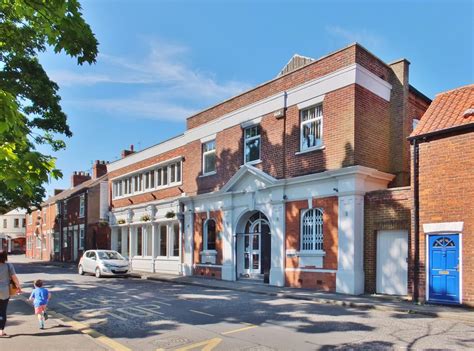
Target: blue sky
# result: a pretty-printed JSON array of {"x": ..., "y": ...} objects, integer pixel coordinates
[{"x": 160, "y": 61}]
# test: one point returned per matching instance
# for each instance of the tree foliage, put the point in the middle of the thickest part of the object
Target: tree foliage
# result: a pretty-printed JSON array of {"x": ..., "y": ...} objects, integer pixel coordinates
[{"x": 30, "y": 110}]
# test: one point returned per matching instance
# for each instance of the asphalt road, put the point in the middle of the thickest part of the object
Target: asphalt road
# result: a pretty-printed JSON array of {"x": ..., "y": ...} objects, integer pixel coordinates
[{"x": 149, "y": 315}]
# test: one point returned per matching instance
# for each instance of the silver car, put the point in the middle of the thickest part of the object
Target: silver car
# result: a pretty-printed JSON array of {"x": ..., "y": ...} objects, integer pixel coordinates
[{"x": 103, "y": 263}]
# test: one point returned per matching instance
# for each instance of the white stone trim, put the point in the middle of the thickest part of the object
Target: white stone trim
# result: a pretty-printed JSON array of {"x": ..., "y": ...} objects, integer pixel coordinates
[
  {"x": 310, "y": 102},
  {"x": 251, "y": 123},
  {"x": 312, "y": 270},
  {"x": 352, "y": 74},
  {"x": 208, "y": 265},
  {"x": 208, "y": 138},
  {"x": 443, "y": 227}
]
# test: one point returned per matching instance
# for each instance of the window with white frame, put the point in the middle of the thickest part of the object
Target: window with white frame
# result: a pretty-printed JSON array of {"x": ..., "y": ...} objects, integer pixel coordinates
[
  {"x": 311, "y": 127},
  {"x": 82, "y": 205},
  {"x": 149, "y": 242},
  {"x": 30, "y": 218},
  {"x": 56, "y": 242},
  {"x": 175, "y": 239},
  {"x": 16, "y": 223},
  {"x": 252, "y": 143},
  {"x": 162, "y": 177},
  {"x": 312, "y": 230},
  {"x": 5, "y": 223},
  {"x": 209, "y": 157},
  {"x": 209, "y": 230},
  {"x": 137, "y": 184},
  {"x": 38, "y": 242},
  {"x": 81, "y": 238},
  {"x": 23, "y": 222},
  {"x": 65, "y": 237},
  {"x": 163, "y": 247},
  {"x": 139, "y": 245},
  {"x": 44, "y": 216}
]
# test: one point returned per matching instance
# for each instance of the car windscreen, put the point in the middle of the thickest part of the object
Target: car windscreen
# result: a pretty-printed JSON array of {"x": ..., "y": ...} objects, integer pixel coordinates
[{"x": 110, "y": 255}]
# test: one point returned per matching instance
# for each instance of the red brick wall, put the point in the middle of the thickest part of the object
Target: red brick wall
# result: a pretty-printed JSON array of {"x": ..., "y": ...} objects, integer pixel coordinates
[
  {"x": 383, "y": 210},
  {"x": 320, "y": 281},
  {"x": 372, "y": 131},
  {"x": 149, "y": 196},
  {"x": 319, "y": 68},
  {"x": 42, "y": 227},
  {"x": 199, "y": 219},
  {"x": 446, "y": 179}
]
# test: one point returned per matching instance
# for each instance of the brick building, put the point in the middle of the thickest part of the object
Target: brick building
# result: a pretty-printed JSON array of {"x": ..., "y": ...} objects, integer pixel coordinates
[
  {"x": 443, "y": 178},
  {"x": 73, "y": 220},
  {"x": 273, "y": 184},
  {"x": 12, "y": 231}
]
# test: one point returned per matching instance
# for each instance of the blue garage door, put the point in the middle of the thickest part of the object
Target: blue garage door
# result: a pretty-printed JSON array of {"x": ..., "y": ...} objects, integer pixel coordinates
[{"x": 444, "y": 268}]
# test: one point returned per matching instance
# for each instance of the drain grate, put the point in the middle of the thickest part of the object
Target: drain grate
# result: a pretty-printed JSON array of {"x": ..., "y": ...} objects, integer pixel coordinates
[{"x": 170, "y": 341}]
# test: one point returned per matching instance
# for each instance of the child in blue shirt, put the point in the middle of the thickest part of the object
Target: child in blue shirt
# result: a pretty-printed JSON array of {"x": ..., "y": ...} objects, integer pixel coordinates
[{"x": 40, "y": 297}]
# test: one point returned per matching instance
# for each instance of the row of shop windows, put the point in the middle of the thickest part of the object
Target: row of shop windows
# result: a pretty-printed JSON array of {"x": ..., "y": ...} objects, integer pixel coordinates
[
  {"x": 161, "y": 177},
  {"x": 166, "y": 243}
]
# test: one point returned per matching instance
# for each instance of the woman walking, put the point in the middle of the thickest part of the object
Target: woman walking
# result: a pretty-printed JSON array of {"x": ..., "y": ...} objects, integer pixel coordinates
[{"x": 7, "y": 273}]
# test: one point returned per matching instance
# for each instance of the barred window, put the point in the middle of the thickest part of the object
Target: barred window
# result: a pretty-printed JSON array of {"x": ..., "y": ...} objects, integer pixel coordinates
[{"x": 312, "y": 230}]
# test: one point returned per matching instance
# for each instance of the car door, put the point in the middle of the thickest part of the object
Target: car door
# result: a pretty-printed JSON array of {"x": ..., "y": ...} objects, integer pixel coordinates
[{"x": 92, "y": 262}]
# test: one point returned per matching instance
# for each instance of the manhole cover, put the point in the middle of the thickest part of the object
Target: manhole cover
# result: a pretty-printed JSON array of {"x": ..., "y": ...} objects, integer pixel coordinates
[{"x": 170, "y": 341}]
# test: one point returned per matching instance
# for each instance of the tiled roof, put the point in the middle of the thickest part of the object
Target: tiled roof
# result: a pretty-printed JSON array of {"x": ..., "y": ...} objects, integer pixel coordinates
[
  {"x": 449, "y": 109},
  {"x": 71, "y": 191}
]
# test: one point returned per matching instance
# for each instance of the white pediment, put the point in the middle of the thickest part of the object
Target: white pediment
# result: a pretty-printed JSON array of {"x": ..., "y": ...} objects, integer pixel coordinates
[{"x": 248, "y": 179}]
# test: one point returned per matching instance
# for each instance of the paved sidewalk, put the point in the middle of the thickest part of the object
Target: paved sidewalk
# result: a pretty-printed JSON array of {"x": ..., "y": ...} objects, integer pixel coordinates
[
  {"x": 364, "y": 301},
  {"x": 24, "y": 333}
]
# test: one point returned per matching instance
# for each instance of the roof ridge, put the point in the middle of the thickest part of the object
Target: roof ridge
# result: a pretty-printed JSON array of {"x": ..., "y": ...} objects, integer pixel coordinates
[{"x": 469, "y": 86}]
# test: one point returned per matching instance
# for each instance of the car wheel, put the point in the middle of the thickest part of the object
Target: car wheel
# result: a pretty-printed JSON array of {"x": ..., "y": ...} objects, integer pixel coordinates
[
  {"x": 81, "y": 270},
  {"x": 98, "y": 274}
]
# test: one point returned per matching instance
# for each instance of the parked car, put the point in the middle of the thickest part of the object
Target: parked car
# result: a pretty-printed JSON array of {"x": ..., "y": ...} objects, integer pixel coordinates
[{"x": 103, "y": 263}]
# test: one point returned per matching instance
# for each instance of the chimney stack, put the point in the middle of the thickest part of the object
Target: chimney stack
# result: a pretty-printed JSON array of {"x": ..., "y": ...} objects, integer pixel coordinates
[
  {"x": 58, "y": 191},
  {"x": 99, "y": 169},
  {"x": 79, "y": 177},
  {"x": 125, "y": 153}
]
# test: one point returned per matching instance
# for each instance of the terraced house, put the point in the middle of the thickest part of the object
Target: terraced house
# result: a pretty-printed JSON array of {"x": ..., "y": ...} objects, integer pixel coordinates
[{"x": 274, "y": 184}]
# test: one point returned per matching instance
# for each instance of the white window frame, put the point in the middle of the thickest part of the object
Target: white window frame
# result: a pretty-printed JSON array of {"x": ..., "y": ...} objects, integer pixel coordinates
[
  {"x": 5, "y": 223},
  {"x": 82, "y": 237},
  {"x": 316, "y": 118},
  {"x": 30, "y": 218},
  {"x": 317, "y": 242},
  {"x": 250, "y": 139},
  {"x": 82, "y": 205},
  {"x": 16, "y": 222},
  {"x": 158, "y": 254},
  {"x": 205, "y": 235},
  {"x": 125, "y": 187},
  {"x": 206, "y": 153}
]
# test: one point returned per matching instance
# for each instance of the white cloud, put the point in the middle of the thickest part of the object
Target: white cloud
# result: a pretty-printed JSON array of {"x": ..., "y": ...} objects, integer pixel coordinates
[
  {"x": 361, "y": 36},
  {"x": 163, "y": 84}
]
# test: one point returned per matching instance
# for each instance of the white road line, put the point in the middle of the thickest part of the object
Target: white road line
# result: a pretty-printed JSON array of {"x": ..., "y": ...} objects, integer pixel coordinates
[{"x": 204, "y": 313}]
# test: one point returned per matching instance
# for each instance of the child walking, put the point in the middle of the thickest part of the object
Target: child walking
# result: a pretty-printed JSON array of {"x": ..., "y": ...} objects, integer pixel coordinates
[{"x": 40, "y": 297}]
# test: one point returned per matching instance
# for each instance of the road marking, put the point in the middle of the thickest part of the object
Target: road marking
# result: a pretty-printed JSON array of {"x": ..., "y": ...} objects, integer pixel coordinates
[
  {"x": 85, "y": 329},
  {"x": 209, "y": 345},
  {"x": 204, "y": 313},
  {"x": 249, "y": 326},
  {"x": 162, "y": 303}
]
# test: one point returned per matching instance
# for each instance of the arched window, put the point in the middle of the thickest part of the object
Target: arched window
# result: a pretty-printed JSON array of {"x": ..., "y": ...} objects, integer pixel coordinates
[
  {"x": 312, "y": 230},
  {"x": 209, "y": 230}
]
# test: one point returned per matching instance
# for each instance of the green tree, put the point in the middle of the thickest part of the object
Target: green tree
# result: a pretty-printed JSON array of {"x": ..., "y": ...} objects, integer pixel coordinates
[{"x": 30, "y": 110}]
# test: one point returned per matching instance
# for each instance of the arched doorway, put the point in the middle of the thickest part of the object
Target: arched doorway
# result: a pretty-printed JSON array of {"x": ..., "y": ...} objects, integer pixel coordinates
[{"x": 254, "y": 248}]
